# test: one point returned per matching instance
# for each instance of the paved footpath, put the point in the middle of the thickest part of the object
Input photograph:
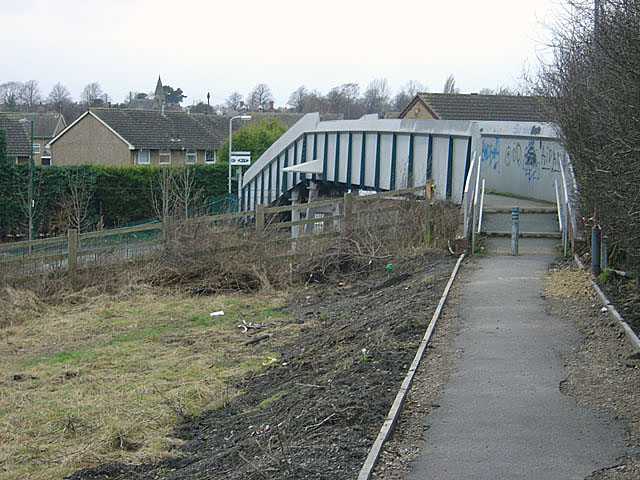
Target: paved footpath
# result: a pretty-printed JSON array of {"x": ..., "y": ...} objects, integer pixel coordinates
[{"x": 502, "y": 415}]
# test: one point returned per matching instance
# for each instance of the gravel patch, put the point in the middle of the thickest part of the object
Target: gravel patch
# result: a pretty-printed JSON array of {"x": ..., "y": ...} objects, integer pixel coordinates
[{"x": 604, "y": 371}]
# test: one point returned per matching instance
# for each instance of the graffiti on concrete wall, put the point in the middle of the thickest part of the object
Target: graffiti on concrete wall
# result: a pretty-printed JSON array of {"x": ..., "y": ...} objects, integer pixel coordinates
[
  {"x": 532, "y": 158},
  {"x": 491, "y": 154}
]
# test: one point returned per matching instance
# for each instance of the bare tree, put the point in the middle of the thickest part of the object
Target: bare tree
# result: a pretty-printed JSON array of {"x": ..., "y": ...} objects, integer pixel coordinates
[
  {"x": 450, "y": 85},
  {"x": 185, "y": 193},
  {"x": 594, "y": 93},
  {"x": 59, "y": 96},
  {"x": 30, "y": 93},
  {"x": 500, "y": 90},
  {"x": 377, "y": 96},
  {"x": 81, "y": 187},
  {"x": 406, "y": 94},
  {"x": 297, "y": 99},
  {"x": 91, "y": 93},
  {"x": 345, "y": 99},
  {"x": 10, "y": 92},
  {"x": 233, "y": 101},
  {"x": 260, "y": 97},
  {"x": 315, "y": 102}
]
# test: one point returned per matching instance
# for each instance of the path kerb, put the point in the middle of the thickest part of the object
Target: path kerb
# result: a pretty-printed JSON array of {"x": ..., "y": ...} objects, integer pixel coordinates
[
  {"x": 628, "y": 331},
  {"x": 396, "y": 407}
]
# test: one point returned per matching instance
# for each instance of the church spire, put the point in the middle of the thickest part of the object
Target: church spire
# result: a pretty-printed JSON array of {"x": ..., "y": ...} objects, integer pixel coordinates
[{"x": 159, "y": 93}]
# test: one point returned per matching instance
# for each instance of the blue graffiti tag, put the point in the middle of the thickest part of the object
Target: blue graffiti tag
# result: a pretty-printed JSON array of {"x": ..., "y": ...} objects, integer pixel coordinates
[
  {"x": 530, "y": 163},
  {"x": 491, "y": 153}
]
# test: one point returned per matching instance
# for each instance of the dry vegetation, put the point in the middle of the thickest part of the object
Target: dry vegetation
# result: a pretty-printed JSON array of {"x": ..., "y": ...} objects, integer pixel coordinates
[
  {"x": 103, "y": 367},
  {"x": 108, "y": 379}
]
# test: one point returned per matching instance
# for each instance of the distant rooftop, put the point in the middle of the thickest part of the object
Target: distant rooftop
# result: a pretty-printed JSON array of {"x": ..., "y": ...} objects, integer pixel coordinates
[{"x": 445, "y": 106}]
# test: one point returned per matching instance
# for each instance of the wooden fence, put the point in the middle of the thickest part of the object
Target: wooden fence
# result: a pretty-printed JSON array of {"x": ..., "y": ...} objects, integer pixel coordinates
[{"x": 36, "y": 256}]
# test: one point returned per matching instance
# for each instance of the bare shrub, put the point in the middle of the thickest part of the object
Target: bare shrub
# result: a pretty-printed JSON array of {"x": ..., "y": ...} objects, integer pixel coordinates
[
  {"x": 206, "y": 259},
  {"x": 593, "y": 88}
]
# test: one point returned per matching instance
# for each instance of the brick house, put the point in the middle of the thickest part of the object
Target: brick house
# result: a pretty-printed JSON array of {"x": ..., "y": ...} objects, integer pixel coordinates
[
  {"x": 111, "y": 136},
  {"x": 446, "y": 106}
]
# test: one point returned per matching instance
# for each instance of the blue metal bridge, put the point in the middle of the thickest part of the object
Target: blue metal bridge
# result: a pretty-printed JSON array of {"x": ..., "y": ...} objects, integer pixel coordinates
[{"x": 314, "y": 159}]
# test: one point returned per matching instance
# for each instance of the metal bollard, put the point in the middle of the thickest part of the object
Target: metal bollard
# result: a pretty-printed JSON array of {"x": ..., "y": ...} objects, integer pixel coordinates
[
  {"x": 515, "y": 230},
  {"x": 604, "y": 254}
]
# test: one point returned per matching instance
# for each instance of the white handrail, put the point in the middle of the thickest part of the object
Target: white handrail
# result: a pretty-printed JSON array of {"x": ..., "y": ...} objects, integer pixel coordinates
[
  {"x": 560, "y": 222},
  {"x": 475, "y": 211},
  {"x": 481, "y": 209},
  {"x": 466, "y": 199}
]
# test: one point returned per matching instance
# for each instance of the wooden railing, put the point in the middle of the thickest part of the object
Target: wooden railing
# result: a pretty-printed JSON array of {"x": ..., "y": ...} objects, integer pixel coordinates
[{"x": 29, "y": 257}]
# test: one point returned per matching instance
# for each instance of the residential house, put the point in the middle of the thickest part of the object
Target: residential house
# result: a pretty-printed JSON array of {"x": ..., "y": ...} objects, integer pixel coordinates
[
  {"x": 446, "y": 106},
  {"x": 139, "y": 137},
  {"x": 18, "y": 136},
  {"x": 18, "y": 128},
  {"x": 45, "y": 127}
]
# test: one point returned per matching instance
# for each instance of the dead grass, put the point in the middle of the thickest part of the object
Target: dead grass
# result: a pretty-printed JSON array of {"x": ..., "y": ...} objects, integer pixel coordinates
[
  {"x": 108, "y": 380},
  {"x": 101, "y": 367}
]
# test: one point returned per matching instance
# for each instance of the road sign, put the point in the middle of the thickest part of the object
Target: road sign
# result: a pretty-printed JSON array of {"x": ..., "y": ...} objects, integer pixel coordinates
[{"x": 240, "y": 158}]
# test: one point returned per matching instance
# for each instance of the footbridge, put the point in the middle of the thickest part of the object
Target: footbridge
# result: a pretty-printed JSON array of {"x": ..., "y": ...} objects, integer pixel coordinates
[{"x": 315, "y": 159}]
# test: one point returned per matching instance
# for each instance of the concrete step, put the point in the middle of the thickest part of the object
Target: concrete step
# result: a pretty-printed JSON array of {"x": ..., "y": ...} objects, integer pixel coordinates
[
  {"x": 502, "y": 246},
  {"x": 521, "y": 210},
  {"x": 538, "y": 222},
  {"x": 525, "y": 234}
]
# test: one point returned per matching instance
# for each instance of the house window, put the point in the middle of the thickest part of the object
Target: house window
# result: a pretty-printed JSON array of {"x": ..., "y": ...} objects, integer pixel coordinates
[
  {"x": 165, "y": 157},
  {"x": 36, "y": 148},
  {"x": 143, "y": 157},
  {"x": 191, "y": 156},
  {"x": 46, "y": 161},
  {"x": 210, "y": 156}
]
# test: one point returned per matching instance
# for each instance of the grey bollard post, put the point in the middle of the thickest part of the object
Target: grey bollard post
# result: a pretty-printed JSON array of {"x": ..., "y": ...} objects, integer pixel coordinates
[
  {"x": 515, "y": 230},
  {"x": 604, "y": 254},
  {"x": 595, "y": 250}
]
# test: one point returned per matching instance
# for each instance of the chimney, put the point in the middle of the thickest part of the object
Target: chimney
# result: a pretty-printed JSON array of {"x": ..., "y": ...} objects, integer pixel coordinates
[{"x": 271, "y": 108}]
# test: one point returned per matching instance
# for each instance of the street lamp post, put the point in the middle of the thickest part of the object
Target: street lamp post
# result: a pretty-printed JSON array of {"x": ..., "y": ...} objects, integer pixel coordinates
[
  {"x": 30, "y": 188},
  {"x": 243, "y": 117}
]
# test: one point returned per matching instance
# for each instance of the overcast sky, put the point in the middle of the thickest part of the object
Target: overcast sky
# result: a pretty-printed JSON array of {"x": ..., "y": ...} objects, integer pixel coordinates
[{"x": 225, "y": 46}]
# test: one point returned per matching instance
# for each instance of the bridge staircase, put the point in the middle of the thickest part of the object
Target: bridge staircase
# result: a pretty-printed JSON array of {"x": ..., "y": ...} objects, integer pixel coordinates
[{"x": 539, "y": 229}]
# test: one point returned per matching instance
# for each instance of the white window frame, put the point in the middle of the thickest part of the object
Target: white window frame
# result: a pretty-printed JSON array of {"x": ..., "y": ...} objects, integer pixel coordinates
[
  {"x": 164, "y": 156},
  {"x": 139, "y": 156},
  {"x": 191, "y": 156},
  {"x": 213, "y": 154},
  {"x": 36, "y": 148}
]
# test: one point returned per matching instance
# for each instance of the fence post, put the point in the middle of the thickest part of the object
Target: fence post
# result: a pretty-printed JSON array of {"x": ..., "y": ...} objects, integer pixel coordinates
[
  {"x": 515, "y": 230},
  {"x": 428, "y": 213},
  {"x": 259, "y": 218},
  {"x": 595, "y": 250},
  {"x": 348, "y": 211},
  {"x": 72, "y": 250}
]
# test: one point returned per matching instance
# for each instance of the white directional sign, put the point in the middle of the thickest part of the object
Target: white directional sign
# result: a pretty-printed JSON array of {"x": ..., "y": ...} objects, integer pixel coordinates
[{"x": 240, "y": 158}]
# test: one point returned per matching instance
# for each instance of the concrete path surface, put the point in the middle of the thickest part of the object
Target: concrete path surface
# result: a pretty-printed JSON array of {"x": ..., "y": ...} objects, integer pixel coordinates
[{"x": 502, "y": 415}]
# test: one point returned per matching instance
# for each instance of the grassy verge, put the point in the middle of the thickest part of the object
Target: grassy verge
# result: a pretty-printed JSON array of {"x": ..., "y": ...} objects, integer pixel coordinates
[{"x": 108, "y": 380}]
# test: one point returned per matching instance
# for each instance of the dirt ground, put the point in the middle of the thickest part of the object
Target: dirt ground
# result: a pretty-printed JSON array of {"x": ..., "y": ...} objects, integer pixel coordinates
[{"x": 316, "y": 409}]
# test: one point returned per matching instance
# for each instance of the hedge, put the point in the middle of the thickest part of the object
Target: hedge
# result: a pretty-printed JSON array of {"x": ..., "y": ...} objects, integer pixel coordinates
[{"x": 121, "y": 194}]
